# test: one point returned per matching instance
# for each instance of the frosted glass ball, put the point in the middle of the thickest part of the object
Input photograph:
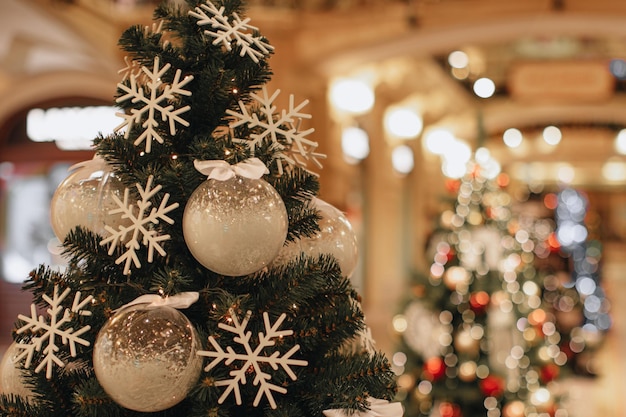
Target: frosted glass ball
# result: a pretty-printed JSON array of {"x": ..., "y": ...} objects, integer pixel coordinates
[
  {"x": 290, "y": 252},
  {"x": 145, "y": 357},
  {"x": 12, "y": 375},
  {"x": 235, "y": 227},
  {"x": 336, "y": 237},
  {"x": 84, "y": 199}
]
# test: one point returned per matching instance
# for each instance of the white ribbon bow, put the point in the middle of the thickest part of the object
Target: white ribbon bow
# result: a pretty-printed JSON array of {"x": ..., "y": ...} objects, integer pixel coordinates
[
  {"x": 178, "y": 301},
  {"x": 220, "y": 170},
  {"x": 378, "y": 408}
]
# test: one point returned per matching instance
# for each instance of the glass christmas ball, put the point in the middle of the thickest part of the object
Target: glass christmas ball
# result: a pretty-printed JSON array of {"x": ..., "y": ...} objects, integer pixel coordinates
[
  {"x": 84, "y": 199},
  {"x": 336, "y": 237},
  {"x": 235, "y": 227},
  {"x": 145, "y": 357},
  {"x": 11, "y": 375},
  {"x": 288, "y": 253}
]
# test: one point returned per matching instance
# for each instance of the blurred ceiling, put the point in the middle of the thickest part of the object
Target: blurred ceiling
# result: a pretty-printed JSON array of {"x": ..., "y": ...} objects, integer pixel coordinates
[{"x": 549, "y": 59}]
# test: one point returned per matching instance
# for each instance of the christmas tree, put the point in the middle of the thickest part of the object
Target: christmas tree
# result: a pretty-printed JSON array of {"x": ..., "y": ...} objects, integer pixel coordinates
[
  {"x": 480, "y": 335},
  {"x": 204, "y": 276}
]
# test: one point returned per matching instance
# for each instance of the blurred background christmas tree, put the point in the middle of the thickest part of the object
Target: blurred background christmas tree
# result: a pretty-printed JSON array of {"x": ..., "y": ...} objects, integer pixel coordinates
[{"x": 501, "y": 315}]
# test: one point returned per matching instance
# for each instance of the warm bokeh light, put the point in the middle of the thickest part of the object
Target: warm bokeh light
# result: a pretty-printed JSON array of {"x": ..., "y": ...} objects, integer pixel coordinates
[
  {"x": 503, "y": 179},
  {"x": 71, "y": 128},
  {"x": 482, "y": 155},
  {"x": 400, "y": 323},
  {"x": 620, "y": 142},
  {"x": 550, "y": 200},
  {"x": 512, "y": 137},
  {"x": 438, "y": 140},
  {"x": 456, "y": 275},
  {"x": 540, "y": 397},
  {"x": 399, "y": 359},
  {"x": 403, "y": 123},
  {"x": 452, "y": 169},
  {"x": 351, "y": 96},
  {"x": 458, "y": 59},
  {"x": 552, "y": 135},
  {"x": 491, "y": 168},
  {"x": 355, "y": 144},
  {"x": 614, "y": 170},
  {"x": 402, "y": 159},
  {"x": 484, "y": 87},
  {"x": 460, "y": 73},
  {"x": 566, "y": 173},
  {"x": 455, "y": 159}
]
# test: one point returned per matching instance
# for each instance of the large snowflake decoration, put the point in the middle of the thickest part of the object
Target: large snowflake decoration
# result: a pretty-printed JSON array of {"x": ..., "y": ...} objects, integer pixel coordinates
[
  {"x": 237, "y": 31},
  {"x": 291, "y": 146},
  {"x": 140, "y": 225},
  {"x": 252, "y": 359},
  {"x": 53, "y": 330},
  {"x": 157, "y": 100}
]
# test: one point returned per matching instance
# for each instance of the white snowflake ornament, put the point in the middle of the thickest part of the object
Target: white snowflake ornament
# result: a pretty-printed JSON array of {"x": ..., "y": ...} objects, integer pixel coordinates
[
  {"x": 231, "y": 30},
  {"x": 132, "y": 68},
  {"x": 157, "y": 100},
  {"x": 291, "y": 146},
  {"x": 53, "y": 330},
  {"x": 140, "y": 220},
  {"x": 253, "y": 358}
]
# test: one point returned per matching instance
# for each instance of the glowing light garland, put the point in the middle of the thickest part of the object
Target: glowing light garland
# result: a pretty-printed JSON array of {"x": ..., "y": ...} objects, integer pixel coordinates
[{"x": 572, "y": 233}]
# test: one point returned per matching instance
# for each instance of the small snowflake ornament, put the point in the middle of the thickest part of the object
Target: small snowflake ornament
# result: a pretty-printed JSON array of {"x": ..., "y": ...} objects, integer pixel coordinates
[
  {"x": 253, "y": 358},
  {"x": 54, "y": 329},
  {"x": 291, "y": 146},
  {"x": 140, "y": 220},
  {"x": 157, "y": 100},
  {"x": 231, "y": 30},
  {"x": 133, "y": 67}
]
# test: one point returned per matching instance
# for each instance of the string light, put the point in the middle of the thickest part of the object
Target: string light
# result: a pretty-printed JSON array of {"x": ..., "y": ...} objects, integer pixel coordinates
[{"x": 572, "y": 234}]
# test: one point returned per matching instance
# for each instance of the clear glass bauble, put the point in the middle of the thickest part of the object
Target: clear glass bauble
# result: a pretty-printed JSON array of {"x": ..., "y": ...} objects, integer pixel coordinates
[
  {"x": 336, "y": 237},
  {"x": 290, "y": 252},
  {"x": 85, "y": 198},
  {"x": 235, "y": 227},
  {"x": 145, "y": 357},
  {"x": 12, "y": 375}
]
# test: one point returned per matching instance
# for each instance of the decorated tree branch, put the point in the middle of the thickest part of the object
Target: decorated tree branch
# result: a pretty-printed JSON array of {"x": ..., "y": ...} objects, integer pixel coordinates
[{"x": 204, "y": 277}]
